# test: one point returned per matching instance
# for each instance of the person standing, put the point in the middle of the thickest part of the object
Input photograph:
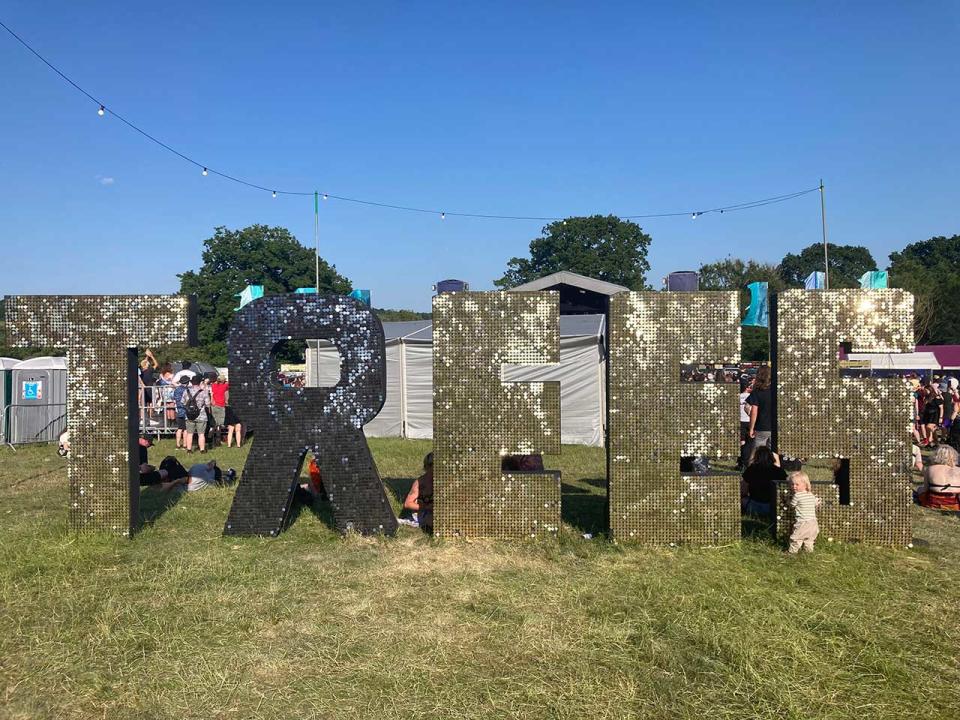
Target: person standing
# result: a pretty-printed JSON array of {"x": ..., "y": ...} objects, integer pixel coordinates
[
  {"x": 804, "y": 504},
  {"x": 746, "y": 386},
  {"x": 933, "y": 407},
  {"x": 760, "y": 407},
  {"x": 218, "y": 403},
  {"x": 196, "y": 400},
  {"x": 180, "y": 410}
]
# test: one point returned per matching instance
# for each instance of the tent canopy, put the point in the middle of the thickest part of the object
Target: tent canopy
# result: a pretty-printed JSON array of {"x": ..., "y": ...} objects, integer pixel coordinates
[
  {"x": 899, "y": 361},
  {"x": 408, "y": 410}
]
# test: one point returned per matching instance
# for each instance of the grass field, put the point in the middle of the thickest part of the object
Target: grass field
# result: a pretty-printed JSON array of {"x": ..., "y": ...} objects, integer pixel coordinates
[{"x": 182, "y": 623}]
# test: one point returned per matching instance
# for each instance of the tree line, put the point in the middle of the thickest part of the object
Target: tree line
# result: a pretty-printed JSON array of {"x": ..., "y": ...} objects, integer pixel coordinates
[{"x": 602, "y": 247}]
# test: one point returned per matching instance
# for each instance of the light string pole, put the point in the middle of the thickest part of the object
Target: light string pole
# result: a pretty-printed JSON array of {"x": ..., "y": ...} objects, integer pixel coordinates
[
  {"x": 823, "y": 224},
  {"x": 316, "y": 232}
]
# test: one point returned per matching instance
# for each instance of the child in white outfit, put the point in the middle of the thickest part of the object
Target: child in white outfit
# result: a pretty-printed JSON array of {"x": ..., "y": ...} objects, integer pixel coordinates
[{"x": 804, "y": 504}]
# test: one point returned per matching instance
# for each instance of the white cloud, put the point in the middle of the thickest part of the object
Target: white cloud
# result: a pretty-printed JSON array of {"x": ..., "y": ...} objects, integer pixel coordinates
[{"x": 106, "y": 180}]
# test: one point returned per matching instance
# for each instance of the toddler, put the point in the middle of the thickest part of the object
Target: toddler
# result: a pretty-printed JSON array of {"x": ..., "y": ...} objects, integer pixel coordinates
[{"x": 804, "y": 504}]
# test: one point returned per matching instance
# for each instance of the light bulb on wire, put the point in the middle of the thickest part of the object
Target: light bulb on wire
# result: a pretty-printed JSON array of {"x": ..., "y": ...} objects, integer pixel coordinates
[
  {"x": 204, "y": 173},
  {"x": 101, "y": 111},
  {"x": 443, "y": 216},
  {"x": 324, "y": 196},
  {"x": 274, "y": 193},
  {"x": 694, "y": 216}
]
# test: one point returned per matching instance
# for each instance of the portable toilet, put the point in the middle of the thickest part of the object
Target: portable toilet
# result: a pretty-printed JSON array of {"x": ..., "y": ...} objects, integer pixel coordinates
[
  {"x": 6, "y": 371},
  {"x": 38, "y": 403}
]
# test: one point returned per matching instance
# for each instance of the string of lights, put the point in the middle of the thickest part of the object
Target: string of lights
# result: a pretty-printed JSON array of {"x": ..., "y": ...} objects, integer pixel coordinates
[{"x": 104, "y": 109}]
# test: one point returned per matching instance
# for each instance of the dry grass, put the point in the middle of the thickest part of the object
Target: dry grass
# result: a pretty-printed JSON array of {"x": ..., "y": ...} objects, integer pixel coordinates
[{"x": 182, "y": 623}]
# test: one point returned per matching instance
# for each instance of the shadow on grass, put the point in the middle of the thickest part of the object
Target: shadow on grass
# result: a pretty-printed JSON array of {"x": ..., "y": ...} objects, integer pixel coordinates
[
  {"x": 399, "y": 487},
  {"x": 154, "y": 503},
  {"x": 320, "y": 509},
  {"x": 584, "y": 511}
]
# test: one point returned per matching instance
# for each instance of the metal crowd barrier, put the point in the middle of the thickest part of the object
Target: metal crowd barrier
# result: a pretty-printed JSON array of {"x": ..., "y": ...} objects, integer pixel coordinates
[{"x": 33, "y": 423}]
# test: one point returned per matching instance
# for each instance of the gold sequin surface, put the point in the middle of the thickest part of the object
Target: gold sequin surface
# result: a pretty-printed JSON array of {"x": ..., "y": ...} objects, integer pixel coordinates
[
  {"x": 654, "y": 419},
  {"x": 95, "y": 331},
  {"x": 478, "y": 419},
  {"x": 823, "y": 414}
]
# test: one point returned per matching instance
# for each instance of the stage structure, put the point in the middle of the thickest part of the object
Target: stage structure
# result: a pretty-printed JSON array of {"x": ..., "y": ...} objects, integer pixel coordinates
[
  {"x": 101, "y": 334},
  {"x": 860, "y": 424},
  {"x": 326, "y": 421},
  {"x": 479, "y": 419},
  {"x": 655, "y": 420}
]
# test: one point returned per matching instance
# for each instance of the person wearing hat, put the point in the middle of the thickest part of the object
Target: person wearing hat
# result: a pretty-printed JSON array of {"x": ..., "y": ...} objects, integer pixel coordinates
[{"x": 182, "y": 385}]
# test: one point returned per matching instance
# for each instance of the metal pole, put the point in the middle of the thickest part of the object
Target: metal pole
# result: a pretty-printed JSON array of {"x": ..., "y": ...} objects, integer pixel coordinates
[
  {"x": 316, "y": 232},
  {"x": 823, "y": 223}
]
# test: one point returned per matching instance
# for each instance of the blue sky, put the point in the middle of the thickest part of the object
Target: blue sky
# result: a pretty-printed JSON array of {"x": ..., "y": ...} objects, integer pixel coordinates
[{"x": 552, "y": 108}]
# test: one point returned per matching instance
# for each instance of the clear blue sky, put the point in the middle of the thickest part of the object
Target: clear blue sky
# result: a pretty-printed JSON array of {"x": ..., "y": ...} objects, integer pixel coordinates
[{"x": 544, "y": 108}]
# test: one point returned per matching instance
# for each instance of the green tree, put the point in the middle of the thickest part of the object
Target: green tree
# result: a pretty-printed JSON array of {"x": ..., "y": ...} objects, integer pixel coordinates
[
  {"x": 604, "y": 248},
  {"x": 931, "y": 271},
  {"x": 256, "y": 255},
  {"x": 736, "y": 274},
  {"x": 847, "y": 264},
  {"x": 387, "y": 315}
]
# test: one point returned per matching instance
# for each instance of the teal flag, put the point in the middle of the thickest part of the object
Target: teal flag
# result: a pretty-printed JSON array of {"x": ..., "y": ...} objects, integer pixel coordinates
[
  {"x": 249, "y": 294},
  {"x": 361, "y": 295},
  {"x": 815, "y": 281},
  {"x": 874, "y": 280},
  {"x": 306, "y": 291},
  {"x": 758, "y": 314}
]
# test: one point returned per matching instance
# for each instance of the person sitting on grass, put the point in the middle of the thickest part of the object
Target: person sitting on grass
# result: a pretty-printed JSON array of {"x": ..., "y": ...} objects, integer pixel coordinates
[
  {"x": 804, "y": 504},
  {"x": 941, "y": 481},
  {"x": 758, "y": 490},
  {"x": 420, "y": 497}
]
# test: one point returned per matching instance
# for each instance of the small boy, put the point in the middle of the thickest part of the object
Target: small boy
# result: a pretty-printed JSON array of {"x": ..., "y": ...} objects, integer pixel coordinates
[{"x": 804, "y": 504}]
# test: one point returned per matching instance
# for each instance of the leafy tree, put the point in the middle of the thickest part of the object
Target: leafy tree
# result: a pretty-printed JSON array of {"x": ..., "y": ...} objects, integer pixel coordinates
[
  {"x": 931, "y": 271},
  {"x": 847, "y": 264},
  {"x": 386, "y": 315},
  {"x": 736, "y": 274},
  {"x": 604, "y": 248},
  {"x": 256, "y": 255}
]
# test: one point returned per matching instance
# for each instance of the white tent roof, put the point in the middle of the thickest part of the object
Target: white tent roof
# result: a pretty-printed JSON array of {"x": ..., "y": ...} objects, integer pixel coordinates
[
  {"x": 899, "y": 361},
  {"x": 42, "y": 363},
  {"x": 7, "y": 363},
  {"x": 565, "y": 277},
  {"x": 422, "y": 330}
]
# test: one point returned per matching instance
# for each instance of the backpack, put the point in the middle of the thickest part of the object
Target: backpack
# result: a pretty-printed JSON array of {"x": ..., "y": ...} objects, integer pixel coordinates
[{"x": 191, "y": 407}]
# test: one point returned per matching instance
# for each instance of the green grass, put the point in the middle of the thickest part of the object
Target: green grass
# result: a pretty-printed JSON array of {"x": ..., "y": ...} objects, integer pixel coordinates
[{"x": 183, "y": 623}]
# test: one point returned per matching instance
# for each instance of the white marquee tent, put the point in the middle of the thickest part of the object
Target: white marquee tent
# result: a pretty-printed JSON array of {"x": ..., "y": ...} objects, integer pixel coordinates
[{"x": 408, "y": 410}]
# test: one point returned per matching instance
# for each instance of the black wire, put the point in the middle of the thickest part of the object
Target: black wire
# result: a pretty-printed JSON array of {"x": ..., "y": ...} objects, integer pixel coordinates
[{"x": 206, "y": 168}]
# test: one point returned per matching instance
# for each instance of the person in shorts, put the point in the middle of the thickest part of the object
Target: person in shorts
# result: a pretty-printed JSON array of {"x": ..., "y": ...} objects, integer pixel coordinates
[
  {"x": 218, "y": 402},
  {"x": 181, "y": 411},
  {"x": 196, "y": 393}
]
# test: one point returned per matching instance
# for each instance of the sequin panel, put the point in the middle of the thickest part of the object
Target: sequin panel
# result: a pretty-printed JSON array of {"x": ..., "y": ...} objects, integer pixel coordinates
[
  {"x": 289, "y": 422},
  {"x": 655, "y": 419},
  {"x": 822, "y": 414},
  {"x": 478, "y": 419},
  {"x": 95, "y": 331}
]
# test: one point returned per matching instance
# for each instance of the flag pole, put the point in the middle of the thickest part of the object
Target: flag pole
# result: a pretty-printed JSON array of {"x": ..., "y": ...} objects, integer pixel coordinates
[
  {"x": 823, "y": 224},
  {"x": 316, "y": 232}
]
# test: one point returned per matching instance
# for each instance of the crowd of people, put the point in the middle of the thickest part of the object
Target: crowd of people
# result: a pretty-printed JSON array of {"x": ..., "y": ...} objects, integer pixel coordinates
[
  {"x": 198, "y": 404},
  {"x": 193, "y": 402}
]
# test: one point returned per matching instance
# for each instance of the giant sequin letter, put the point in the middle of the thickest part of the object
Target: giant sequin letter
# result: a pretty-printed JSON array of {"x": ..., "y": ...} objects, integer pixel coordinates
[
  {"x": 822, "y": 414},
  {"x": 655, "y": 420},
  {"x": 288, "y": 422},
  {"x": 478, "y": 419},
  {"x": 100, "y": 334}
]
